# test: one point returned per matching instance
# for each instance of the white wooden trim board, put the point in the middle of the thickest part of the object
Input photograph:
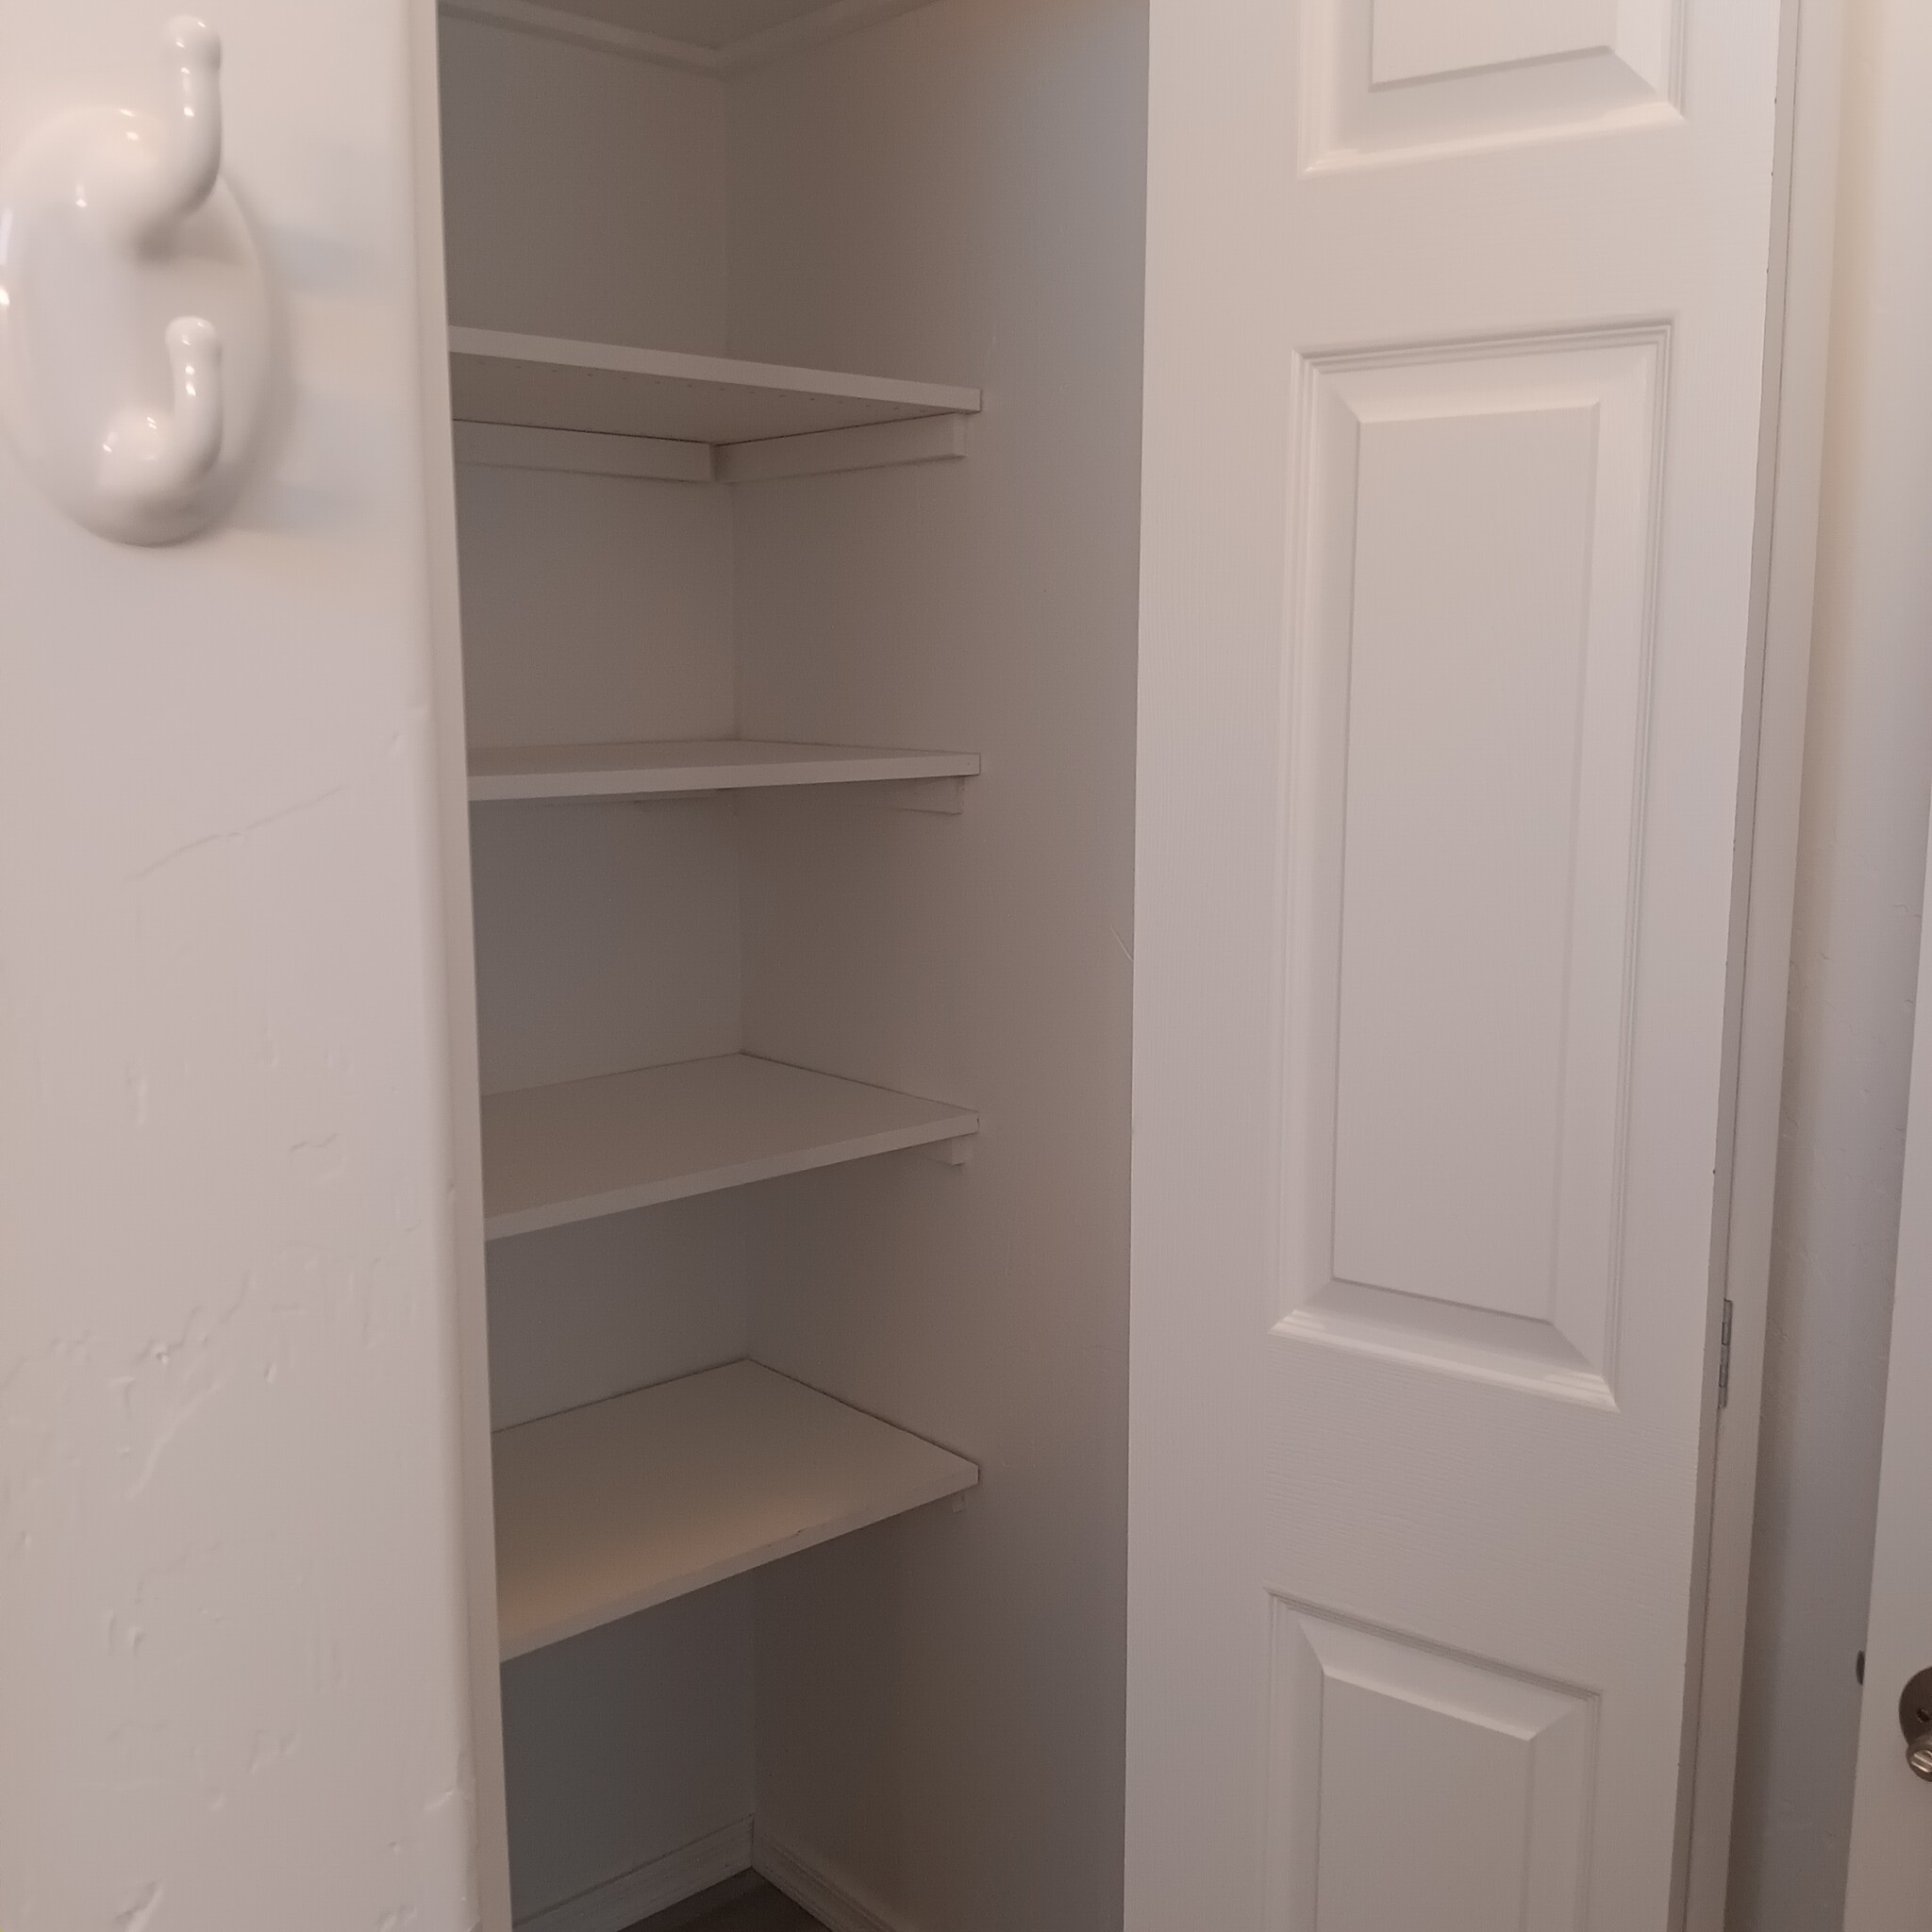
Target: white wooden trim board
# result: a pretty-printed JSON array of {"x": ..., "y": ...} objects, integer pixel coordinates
[
  {"x": 645, "y": 770},
  {"x": 835, "y": 1903},
  {"x": 555, "y": 1154},
  {"x": 620, "y": 1902},
  {"x": 614, "y": 1508},
  {"x": 1796, "y": 367},
  {"x": 489, "y": 1796}
]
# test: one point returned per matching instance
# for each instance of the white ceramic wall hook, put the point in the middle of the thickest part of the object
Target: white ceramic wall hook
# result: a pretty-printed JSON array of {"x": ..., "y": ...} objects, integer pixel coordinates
[
  {"x": 152, "y": 461},
  {"x": 134, "y": 329},
  {"x": 162, "y": 167}
]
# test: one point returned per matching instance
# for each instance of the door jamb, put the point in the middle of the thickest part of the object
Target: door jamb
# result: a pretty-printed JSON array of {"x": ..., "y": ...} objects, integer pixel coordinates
[
  {"x": 488, "y": 1907},
  {"x": 1797, "y": 342}
]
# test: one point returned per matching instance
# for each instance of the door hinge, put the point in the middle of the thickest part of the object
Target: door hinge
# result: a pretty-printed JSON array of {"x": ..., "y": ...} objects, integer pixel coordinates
[{"x": 1724, "y": 1359}]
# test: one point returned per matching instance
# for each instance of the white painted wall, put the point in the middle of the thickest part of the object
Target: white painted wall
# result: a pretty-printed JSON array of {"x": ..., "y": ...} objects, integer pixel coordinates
[
  {"x": 232, "y": 1619},
  {"x": 586, "y": 195},
  {"x": 589, "y": 196},
  {"x": 1868, "y": 766},
  {"x": 957, "y": 194},
  {"x": 629, "y": 1743}
]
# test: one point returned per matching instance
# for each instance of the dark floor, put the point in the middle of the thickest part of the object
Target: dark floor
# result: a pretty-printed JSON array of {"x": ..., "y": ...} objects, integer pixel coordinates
[{"x": 744, "y": 1903}]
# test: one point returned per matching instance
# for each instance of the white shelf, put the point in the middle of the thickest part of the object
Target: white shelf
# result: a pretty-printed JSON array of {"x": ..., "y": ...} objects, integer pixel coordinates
[
  {"x": 623, "y": 1506},
  {"x": 540, "y": 382},
  {"x": 649, "y": 771},
  {"x": 555, "y": 1154}
]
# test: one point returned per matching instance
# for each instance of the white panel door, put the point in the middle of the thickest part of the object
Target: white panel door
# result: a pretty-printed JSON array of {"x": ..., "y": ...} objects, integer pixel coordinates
[
  {"x": 235, "y": 1613},
  {"x": 1456, "y": 339}
]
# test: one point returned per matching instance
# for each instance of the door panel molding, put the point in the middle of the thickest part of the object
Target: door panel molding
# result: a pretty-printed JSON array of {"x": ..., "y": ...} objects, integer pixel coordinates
[
  {"x": 1463, "y": 784},
  {"x": 1410, "y": 1785},
  {"x": 1414, "y": 80}
]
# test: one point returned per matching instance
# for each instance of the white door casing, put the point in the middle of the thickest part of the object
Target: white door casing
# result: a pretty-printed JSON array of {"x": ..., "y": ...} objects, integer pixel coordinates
[
  {"x": 1456, "y": 345},
  {"x": 234, "y": 1602},
  {"x": 1881, "y": 602},
  {"x": 1891, "y": 1817}
]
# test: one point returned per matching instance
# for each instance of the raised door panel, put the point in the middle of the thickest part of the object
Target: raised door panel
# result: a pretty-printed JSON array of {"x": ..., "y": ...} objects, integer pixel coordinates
[
  {"x": 1390, "y": 75},
  {"x": 1469, "y": 743},
  {"x": 1420, "y": 40},
  {"x": 1412, "y": 1787}
]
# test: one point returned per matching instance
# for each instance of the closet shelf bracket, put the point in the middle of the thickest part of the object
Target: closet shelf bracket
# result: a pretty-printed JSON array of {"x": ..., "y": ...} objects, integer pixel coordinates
[{"x": 830, "y": 452}]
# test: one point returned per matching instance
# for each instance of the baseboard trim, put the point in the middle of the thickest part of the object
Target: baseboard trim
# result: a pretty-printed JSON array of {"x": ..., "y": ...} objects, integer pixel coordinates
[
  {"x": 833, "y": 1900},
  {"x": 617, "y": 1905}
]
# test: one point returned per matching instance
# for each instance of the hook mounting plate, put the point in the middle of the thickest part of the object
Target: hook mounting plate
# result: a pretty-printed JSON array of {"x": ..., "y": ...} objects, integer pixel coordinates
[{"x": 134, "y": 313}]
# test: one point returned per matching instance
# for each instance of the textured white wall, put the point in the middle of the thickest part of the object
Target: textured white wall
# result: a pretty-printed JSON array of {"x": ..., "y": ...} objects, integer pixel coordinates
[
  {"x": 232, "y": 1621},
  {"x": 1867, "y": 762}
]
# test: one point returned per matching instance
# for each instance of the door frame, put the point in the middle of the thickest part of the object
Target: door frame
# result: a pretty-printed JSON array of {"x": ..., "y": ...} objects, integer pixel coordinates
[
  {"x": 490, "y": 1811},
  {"x": 1797, "y": 346}
]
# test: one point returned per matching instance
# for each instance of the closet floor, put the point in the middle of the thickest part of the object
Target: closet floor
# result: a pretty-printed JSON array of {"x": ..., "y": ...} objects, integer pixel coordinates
[{"x": 744, "y": 1903}]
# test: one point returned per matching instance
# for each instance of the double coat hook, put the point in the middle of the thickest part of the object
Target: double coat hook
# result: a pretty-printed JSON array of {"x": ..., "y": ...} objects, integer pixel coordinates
[
  {"x": 161, "y": 167},
  {"x": 130, "y": 205}
]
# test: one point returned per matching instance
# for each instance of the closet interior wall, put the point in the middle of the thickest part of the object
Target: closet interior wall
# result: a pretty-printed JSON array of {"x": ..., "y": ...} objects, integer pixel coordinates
[{"x": 930, "y": 1713}]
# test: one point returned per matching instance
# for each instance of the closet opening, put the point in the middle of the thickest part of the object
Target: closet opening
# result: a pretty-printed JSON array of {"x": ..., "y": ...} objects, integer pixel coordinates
[{"x": 796, "y": 375}]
